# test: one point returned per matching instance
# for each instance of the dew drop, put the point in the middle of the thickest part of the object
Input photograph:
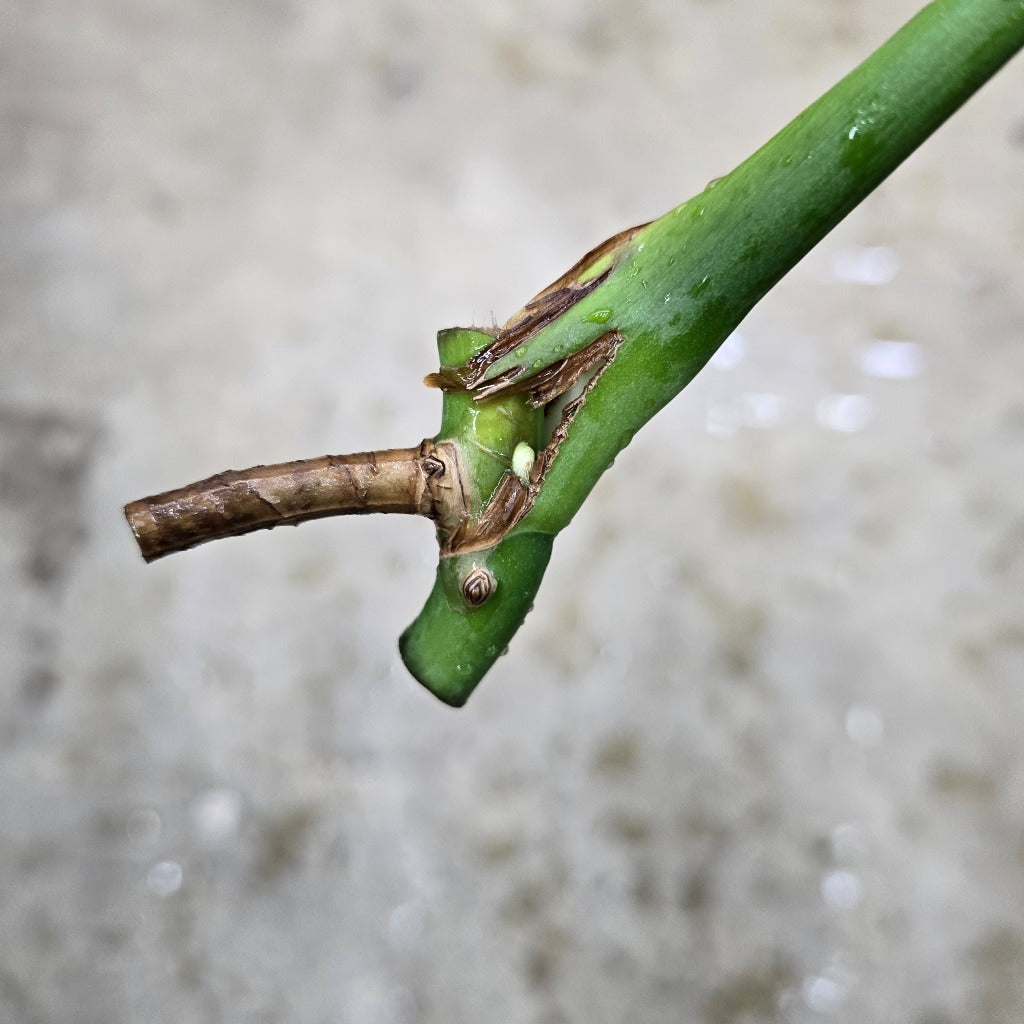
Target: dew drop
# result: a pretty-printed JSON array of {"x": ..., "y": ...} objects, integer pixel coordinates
[{"x": 699, "y": 286}]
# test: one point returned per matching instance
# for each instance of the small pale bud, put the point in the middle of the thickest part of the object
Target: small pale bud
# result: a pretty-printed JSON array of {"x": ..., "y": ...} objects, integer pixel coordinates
[{"x": 522, "y": 461}]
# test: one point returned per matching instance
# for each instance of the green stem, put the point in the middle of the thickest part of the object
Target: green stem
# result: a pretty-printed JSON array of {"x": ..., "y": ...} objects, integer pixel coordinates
[
  {"x": 687, "y": 280},
  {"x": 719, "y": 253}
]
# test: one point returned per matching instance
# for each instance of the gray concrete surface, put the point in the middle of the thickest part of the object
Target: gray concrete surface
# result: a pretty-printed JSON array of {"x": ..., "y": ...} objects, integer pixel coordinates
[{"x": 756, "y": 756}]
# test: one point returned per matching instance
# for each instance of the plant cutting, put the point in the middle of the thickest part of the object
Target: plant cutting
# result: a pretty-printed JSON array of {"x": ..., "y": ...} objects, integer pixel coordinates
[{"x": 533, "y": 412}]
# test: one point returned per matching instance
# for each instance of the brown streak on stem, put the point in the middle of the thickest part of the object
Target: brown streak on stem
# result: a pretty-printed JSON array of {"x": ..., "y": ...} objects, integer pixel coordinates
[
  {"x": 544, "y": 308},
  {"x": 507, "y": 505},
  {"x": 555, "y": 380},
  {"x": 239, "y": 501}
]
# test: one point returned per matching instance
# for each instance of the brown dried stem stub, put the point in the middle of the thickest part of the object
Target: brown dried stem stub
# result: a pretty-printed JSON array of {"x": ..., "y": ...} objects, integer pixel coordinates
[
  {"x": 430, "y": 480},
  {"x": 413, "y": 481}
]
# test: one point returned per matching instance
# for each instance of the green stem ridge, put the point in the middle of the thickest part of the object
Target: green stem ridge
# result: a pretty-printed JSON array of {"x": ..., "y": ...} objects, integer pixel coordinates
[{"x": 673, "y": 291}]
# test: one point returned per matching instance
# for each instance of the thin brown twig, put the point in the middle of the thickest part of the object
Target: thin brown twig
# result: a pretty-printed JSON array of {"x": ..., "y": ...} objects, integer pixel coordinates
[{"x": 286, "y": 494}]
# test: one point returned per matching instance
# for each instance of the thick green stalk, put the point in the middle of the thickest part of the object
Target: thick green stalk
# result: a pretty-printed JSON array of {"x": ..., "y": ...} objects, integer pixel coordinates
[
  {"x": 682, "y": 285},
  {"x": 486, "y": 434}
]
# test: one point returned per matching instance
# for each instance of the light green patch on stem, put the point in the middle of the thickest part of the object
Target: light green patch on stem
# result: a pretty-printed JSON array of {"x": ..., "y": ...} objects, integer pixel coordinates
[{"x": 487, "y": 433}]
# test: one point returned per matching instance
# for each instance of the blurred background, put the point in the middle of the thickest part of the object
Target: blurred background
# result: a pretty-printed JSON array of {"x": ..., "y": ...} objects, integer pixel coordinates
[{"x": 756, "y": 754}]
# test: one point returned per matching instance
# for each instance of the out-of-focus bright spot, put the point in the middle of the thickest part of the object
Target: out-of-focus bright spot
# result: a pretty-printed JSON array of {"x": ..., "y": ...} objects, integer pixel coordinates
[
  {"x": 842, "y": 890},
  {"x": 892, "y": 360},
  {"x": 970, "y": 279},
  {"x": 216, "y": 815},
  {"x": 143, "y": 828},
  {"x": 722, "y": 420},
  {"x": 761, "y": 409},
  {"x": 848, "y": 844},
  {"x": 757, "y": 410},
  {"x": 864, "y": 726},
  {"x": 407, "y": 923},
  {"x": 875, "y": 264},
  {"x": 847, "y": 414},
  {"x": 824, "y": 994},
  {"x": 730, "y": 353},
  {"x": 164, "y": 878}
]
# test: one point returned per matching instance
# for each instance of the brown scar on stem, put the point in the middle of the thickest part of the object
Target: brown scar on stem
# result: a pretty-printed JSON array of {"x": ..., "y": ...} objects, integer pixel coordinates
[
  {"x": 541, "y": 310},
  {"x": 513, "y": 498}
]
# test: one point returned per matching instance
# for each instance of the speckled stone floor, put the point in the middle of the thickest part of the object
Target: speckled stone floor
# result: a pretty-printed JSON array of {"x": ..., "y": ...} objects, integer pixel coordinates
[{"x": 755, "y": 756}]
